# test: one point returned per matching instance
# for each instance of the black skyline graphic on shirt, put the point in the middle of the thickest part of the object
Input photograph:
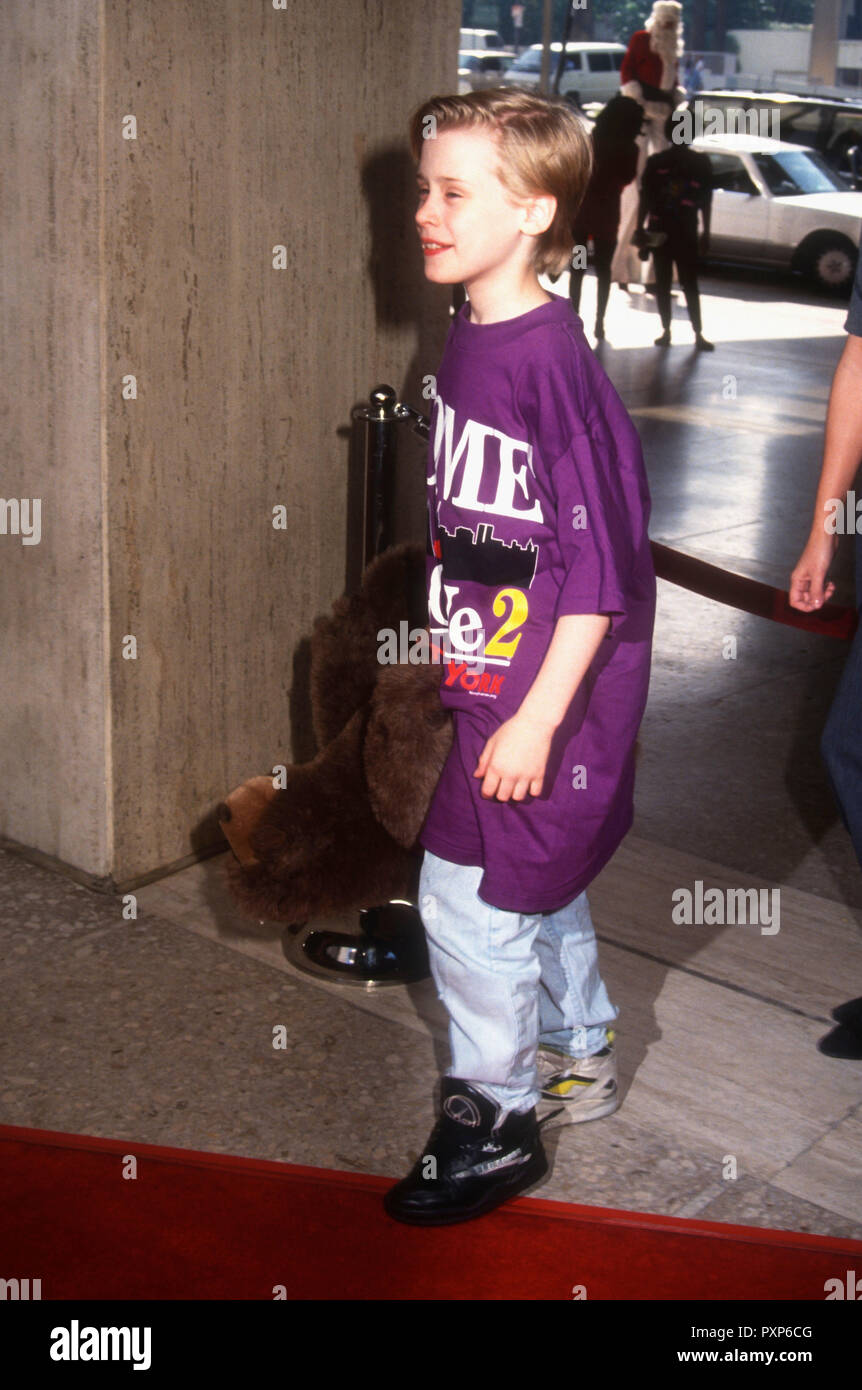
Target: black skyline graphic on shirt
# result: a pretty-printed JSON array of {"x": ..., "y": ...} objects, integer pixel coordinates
[{"x": 484, "y": 559}]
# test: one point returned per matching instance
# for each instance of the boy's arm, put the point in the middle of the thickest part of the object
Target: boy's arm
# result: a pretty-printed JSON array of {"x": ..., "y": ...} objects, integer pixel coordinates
[
  {"x": 841, "y": 454},
  {"x": 512, "y": 763}
]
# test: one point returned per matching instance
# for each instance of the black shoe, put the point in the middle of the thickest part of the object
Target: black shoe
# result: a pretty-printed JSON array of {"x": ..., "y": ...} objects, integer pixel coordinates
[
  {"x": 472, "y": 1162},
  {"x": 842, "y": 1042},
  {"x": 850, "y": 1014}
]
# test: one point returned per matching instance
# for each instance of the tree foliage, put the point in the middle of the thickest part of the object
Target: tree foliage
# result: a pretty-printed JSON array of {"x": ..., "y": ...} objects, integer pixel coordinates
[{"x": 625, "y": 16}]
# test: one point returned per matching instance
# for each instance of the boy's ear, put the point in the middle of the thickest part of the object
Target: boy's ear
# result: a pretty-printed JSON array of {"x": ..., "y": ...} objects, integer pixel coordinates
[{"x": 539, "y": 213}]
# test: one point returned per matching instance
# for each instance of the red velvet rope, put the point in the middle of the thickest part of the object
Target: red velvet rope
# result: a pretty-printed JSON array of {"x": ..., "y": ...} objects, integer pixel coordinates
[{"x": 749, "y": 595}]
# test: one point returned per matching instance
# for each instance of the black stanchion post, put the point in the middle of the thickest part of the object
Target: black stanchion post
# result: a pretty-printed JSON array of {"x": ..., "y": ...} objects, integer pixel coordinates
[
  {"x": 390, "y": 946},
  {"x": 380, "y": 416}
]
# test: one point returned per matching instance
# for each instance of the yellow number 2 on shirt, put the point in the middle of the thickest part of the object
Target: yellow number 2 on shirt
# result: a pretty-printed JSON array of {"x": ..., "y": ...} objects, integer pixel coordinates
[{"x": 517, "y": 617}]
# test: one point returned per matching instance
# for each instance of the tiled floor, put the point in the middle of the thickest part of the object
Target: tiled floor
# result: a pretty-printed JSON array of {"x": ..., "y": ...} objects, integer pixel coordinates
[{"x": 161, "y": 1029}]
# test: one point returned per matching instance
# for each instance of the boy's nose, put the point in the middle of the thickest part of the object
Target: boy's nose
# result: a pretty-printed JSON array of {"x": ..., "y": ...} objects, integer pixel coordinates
[{"x": 427, "y": 215}]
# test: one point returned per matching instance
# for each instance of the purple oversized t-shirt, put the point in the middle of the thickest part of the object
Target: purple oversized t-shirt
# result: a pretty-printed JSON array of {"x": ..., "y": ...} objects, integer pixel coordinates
[{"x": 538, "y": 507}]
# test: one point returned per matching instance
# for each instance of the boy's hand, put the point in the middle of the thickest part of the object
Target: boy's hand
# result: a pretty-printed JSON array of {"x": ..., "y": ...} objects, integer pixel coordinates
[
  {"x": 512, "y": 763},
  {"x": 808, "y": 586}
]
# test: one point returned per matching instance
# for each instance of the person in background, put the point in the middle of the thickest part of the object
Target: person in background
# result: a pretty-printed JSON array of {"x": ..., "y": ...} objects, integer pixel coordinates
[
  {"x": 648, "y": 75},
  {"x": 676, "y": 189},
  {"x": 615, "y": 161},
  {"x": 841, "y": 744}
]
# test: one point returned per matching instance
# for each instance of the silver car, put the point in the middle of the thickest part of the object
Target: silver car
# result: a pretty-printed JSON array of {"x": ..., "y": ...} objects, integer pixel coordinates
[{"x": 781, "y": 205}]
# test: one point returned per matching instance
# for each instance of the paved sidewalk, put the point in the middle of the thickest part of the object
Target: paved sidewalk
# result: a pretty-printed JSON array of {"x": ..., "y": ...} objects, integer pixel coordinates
[{"x": 161, "y": 1029}]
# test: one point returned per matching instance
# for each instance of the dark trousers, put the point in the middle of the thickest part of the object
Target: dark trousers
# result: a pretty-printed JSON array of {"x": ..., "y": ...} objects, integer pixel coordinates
[
  {"x": 602, "y": 257},
  {"x": 685, "y": 255},
  {"x": 841, "y": 744}
]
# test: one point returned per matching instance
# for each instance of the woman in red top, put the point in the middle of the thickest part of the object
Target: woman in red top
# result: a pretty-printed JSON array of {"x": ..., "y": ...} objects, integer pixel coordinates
[
  {"x": 615, "y": 165},
  {"x": 649, "y": 75}
]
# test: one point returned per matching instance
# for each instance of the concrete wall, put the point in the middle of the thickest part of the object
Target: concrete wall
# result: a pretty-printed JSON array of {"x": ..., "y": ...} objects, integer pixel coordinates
[
  {"x": 153, "y": 257},
  {"x": 54, "y": 750}
]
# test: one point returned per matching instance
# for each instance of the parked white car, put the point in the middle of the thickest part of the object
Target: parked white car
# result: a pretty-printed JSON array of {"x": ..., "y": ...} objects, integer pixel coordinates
[
  {"x": 781, "y": 205},
  {"x": 592, "y": 71},
  {"x": 485, "y": 67},
  {"x": 472, "y": 39}
]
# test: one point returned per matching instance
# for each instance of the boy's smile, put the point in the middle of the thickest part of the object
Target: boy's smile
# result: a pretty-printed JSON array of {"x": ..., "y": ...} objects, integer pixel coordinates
[{"x": 473, "y": 232}]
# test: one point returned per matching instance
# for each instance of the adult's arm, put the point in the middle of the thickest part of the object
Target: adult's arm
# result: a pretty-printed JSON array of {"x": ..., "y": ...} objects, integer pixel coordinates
[
  {"x": 646, "y": 195},
  {"x": 706, "y": 203}
]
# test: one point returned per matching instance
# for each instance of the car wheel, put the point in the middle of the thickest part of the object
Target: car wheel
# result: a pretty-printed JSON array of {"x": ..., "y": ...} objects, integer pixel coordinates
[{"x": 832, "y": 263}]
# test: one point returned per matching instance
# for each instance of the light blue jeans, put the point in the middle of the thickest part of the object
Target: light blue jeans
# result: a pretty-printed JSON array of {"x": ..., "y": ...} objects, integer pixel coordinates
[{"x": 509, "y": 981}]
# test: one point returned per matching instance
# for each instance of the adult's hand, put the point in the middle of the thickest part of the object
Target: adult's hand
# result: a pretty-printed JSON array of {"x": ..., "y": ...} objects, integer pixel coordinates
[{"x": 809, "y": 587}]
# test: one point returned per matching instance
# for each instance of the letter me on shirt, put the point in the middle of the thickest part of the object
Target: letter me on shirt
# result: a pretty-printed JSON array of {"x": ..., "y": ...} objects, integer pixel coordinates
[{"x": 471, "y": 448}]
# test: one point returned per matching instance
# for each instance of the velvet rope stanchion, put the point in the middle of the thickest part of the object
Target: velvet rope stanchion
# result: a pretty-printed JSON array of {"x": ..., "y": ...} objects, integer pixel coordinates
[{"x": 748, "y": 595}]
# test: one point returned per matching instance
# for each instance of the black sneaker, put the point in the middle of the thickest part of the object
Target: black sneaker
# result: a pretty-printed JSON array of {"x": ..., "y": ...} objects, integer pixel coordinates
[
  {"x": 842, "y": 1042},
  {"x": 850, "y": 1015},
  {"x": 472, "y": 1162},
  {"x": 845, "y": 1040}
]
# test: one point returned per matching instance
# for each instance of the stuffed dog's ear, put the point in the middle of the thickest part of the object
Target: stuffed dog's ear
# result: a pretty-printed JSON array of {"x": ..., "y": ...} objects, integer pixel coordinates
[
  {"x": 407, "y": 741},
  {"x": 241, "y": 814}
]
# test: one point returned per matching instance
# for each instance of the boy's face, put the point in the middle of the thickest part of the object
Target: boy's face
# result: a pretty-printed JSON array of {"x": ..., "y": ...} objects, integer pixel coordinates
[{"x": 472, "y": 230}]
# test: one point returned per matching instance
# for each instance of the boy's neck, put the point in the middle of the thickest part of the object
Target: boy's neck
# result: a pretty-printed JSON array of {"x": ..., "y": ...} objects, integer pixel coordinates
[{"x": 494, "y": 303}]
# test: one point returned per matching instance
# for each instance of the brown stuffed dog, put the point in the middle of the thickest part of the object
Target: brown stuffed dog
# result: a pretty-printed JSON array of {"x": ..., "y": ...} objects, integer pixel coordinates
[{"x": 340, "y": 835}]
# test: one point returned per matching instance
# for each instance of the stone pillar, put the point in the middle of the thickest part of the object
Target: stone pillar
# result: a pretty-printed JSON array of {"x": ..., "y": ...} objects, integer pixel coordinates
[
  {"x": 822, "y": 61},
  {"x": 209, "y": 260}
]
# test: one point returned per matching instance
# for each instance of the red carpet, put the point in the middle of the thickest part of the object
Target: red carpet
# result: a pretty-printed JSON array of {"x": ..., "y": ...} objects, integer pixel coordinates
[{"x": 204, "y": 1226}]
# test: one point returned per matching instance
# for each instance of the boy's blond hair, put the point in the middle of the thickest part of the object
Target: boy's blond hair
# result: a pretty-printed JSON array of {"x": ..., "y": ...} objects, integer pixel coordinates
[{"x": 544, "y": 149}]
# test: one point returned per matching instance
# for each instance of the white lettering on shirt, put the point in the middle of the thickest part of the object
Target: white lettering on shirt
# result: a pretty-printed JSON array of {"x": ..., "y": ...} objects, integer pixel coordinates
[{"x": 470, "y": 456}]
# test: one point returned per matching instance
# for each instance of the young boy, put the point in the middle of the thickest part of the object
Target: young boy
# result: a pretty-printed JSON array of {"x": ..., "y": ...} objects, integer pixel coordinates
[{"x": 542, "y": 595}]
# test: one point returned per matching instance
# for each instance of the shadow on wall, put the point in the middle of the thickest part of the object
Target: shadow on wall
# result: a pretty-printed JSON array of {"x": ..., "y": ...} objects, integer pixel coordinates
[
  {"x": 408, "y": 310},
  {"x": 403, "y": 299}
]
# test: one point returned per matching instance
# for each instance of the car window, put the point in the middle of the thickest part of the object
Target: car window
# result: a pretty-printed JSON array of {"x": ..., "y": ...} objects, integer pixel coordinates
[
  {"x": 802, "y": 119},
  {"x": 617, "y": 60},
  {"x": 730, "y": 174},
  {"x": 849, "y": 123},
  {"x": 528, "y": 62},
  {"x": 599, "y": 62},
  {"x": 797, "y": 171}
]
